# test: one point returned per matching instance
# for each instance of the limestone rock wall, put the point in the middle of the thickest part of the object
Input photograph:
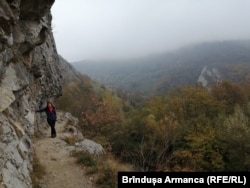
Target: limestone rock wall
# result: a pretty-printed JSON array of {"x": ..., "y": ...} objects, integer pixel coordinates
[
  {"x": 209, "y": 76},
  {"x": 29, "y": 76}
]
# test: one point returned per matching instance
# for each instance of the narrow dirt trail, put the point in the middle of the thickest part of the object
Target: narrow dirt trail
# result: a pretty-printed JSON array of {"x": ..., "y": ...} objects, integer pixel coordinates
[{"x": 61, "y": 169}]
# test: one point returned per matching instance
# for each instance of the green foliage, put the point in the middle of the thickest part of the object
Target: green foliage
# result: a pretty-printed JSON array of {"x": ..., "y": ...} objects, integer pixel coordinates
[
  {"x": 87, "y": 160},
  {"x": 108, "y": 177},
  {"x": 190, "y": 129},
  {"x": 196, "y": 104},
  {"x": 202, "y": 143},
  {"x": 169, "y": 131},
  {"x": 182, "y": 161},
  {"x": 147, "y": 138},
  {"x": 230, "y": 94},
  {"x": 235, "y": 134}
]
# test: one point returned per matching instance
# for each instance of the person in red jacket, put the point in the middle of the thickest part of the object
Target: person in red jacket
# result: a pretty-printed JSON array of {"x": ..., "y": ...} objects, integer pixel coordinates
[{"x": 51, "y": 117}]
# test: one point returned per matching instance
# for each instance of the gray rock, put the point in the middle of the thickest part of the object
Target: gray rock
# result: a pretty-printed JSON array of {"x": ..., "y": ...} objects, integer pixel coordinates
[
  {"x": 90, "y": 146},
  {"x": 29, "y": 76}
]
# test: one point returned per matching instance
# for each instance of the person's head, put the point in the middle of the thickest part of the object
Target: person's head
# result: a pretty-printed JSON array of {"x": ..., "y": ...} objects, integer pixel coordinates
[{"x": 49, "y": 104}]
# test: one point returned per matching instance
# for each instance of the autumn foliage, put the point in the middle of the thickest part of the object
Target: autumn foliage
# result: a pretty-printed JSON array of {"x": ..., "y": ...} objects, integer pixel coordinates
[{"x": 191, "y": 128}]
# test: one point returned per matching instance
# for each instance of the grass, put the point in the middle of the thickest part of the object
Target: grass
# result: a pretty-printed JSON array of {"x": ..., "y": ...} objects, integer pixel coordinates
[
  {"x": 108, "y": 173},
  {"x": 87, "y": 160},
  {"x": 37, "y": 173},
  {"x": 104, "y": 168},
  {"x": 71, "y": 140}
]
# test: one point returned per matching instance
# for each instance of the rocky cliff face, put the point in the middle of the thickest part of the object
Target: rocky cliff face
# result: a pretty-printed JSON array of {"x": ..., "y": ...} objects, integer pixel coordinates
[
  {"x": 29, "y": 76},
  {"x": 209, "y": 76}
]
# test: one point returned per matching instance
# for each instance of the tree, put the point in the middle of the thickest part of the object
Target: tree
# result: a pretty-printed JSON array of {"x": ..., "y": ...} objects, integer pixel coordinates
[
  {"x": 230, "y": 94},
  {"x": 235, "y": 135},
  {"x": 102, "y": 116},
  {"x": 205, "y": 149}
]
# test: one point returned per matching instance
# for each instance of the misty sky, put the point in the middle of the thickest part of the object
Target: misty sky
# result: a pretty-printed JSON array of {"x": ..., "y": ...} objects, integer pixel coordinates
[{"x": 97, "y": 29}]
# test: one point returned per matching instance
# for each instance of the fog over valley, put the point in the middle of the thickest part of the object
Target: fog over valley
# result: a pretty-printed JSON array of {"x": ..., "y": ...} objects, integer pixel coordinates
[
  {"x": 206, "y": 63},
  {"x": 110, "y": 29}
]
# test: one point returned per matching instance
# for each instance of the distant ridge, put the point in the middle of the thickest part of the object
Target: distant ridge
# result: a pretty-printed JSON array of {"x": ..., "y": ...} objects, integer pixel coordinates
[{"x": 159, "y": 73}]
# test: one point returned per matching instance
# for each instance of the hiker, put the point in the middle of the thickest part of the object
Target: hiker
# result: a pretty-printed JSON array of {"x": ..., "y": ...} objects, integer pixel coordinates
[{"x": 51, "y": 117}]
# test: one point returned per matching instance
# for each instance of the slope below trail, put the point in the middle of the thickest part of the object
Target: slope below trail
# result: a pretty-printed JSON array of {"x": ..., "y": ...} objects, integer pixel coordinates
[{"x": 61, "y": 168}]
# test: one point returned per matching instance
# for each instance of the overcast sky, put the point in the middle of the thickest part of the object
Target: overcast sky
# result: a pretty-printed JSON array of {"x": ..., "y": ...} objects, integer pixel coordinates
[{"x": 97, "y": 29}]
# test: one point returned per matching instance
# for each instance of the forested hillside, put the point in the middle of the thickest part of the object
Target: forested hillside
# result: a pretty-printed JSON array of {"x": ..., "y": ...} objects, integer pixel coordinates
[
  {"x": 189, "y": 128},
  {"x": 207, "y": 63},
  {"x": 192, "y": 128}
]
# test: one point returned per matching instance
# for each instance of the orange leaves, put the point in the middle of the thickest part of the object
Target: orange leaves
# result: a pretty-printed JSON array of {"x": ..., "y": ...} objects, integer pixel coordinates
[{"x": 100, "y": 117}]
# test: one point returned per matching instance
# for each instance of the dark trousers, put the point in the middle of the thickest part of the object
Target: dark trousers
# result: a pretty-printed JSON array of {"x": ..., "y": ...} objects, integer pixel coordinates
[{"x": 52, "y": 124}]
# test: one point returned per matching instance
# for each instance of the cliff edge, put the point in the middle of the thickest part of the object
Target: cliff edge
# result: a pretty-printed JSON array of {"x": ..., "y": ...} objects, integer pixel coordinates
[{"x": 29, "y": 76}]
